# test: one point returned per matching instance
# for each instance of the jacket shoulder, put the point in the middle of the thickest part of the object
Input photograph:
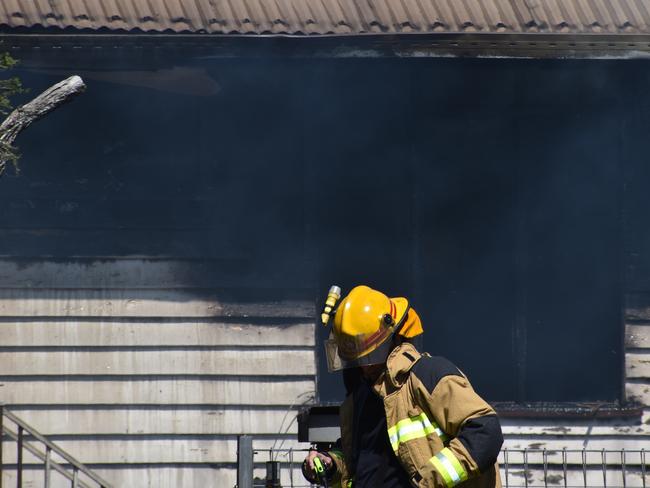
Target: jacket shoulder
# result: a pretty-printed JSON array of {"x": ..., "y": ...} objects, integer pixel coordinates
[{"x": 431, "y": 369}]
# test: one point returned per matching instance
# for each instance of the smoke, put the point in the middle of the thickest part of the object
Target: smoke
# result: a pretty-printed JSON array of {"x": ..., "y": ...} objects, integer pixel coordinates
[{"x": 483, "y": 190}]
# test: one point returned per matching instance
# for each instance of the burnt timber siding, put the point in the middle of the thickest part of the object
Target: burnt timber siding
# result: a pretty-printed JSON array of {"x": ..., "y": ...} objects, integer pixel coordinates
[
  {"x": 614, "y": 433},
  {"x": 186, "y": 232},
  {"x": 126, "y": 369},
  {"x": 140, "y": 328},
  {"x": 637, "y": 269}
]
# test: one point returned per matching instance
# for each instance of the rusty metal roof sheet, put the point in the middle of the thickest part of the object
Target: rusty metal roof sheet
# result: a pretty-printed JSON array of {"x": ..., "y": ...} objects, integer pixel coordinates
[{"x": 332, "y": 17}]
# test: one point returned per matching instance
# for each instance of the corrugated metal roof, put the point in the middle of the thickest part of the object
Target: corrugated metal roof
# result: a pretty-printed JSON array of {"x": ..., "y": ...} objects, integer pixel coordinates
[{"x": 342, "y": 17}]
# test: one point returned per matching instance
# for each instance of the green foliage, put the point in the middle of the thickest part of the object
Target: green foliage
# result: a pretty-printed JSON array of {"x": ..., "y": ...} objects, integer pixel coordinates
[
  {"x": 8, "y": 156},
  {"x": 8, "y": 88}
]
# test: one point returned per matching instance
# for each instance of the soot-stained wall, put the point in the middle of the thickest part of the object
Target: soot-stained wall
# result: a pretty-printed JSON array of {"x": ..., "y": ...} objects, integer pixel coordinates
[{"x": 490, "y": 192}]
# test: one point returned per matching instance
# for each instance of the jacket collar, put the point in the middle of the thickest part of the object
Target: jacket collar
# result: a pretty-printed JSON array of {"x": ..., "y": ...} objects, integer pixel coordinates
[{"x": 399, "y": 364}]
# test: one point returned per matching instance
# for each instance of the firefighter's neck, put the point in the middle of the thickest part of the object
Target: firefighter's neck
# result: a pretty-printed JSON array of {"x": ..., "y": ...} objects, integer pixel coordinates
[{"x": 371, "y": 373}]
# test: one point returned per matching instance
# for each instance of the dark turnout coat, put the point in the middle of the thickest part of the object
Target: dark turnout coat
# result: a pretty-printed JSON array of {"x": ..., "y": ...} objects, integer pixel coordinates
[{"x": 441, "y": 430}]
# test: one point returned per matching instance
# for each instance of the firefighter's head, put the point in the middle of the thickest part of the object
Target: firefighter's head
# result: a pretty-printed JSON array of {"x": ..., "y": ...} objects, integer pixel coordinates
[{"x": 366, "y": 327}]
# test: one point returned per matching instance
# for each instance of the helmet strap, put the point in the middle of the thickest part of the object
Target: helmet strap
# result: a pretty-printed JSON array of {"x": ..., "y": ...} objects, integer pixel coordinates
[{"x": 399, "y": 325}]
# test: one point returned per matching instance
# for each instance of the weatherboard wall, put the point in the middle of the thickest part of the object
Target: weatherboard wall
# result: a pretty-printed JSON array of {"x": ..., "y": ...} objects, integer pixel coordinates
[
  {"x": 147, "y": 314},
  {"x": 130, "y": 378},
  {"x": 159, "y": 275}
]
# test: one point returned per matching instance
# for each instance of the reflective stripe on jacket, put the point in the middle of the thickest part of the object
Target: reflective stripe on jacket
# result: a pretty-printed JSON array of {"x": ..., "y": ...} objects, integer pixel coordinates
[{"x": 441, "y": 430}]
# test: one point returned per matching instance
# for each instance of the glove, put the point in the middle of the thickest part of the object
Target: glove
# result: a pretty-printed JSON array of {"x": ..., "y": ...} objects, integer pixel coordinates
[{"x": 310, "y": 470}]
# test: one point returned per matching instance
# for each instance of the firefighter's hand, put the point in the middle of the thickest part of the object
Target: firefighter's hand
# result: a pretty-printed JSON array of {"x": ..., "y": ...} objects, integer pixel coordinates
[{"x": 308, "y": 468}]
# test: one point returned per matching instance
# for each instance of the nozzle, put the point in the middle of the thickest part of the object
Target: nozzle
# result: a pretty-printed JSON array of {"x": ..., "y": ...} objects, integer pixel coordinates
[
  {"x": 332, "y": 297},
  {"x": 318, "y": 467},
  {"x": 319, "y": 470}
]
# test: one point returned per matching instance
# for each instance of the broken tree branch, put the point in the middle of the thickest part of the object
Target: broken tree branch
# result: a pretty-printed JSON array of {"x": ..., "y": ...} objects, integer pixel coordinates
[{"x": 25, "y": 115}]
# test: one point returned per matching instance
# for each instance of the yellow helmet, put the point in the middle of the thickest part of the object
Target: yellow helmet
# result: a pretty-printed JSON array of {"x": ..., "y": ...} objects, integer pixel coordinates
[{"x": 364, "y": 324}]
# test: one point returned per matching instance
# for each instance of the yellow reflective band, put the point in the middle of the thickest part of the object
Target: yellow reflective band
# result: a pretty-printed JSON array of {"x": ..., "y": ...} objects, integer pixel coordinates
[
  {"x": 447, "y": 464},
  {"x": 431, "y": 427},
  {"x": 413, "y": 428}
]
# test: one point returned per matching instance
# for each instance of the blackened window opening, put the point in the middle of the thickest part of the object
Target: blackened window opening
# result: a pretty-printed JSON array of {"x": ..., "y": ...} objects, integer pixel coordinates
[
  {"x": 495, "y": 207},
  {"x": 486, "y": 191}
]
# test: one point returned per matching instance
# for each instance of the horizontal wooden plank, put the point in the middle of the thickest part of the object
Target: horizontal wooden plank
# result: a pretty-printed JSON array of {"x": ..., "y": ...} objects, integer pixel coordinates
[
  {"x": 158, "y": 362},
  {"x": 33, "y": 476},
  {"x": 163, "y": 476},
  {"x": 159, "y": 332},
  {"x": 114, "y": 213},
  {"x": 218, "y": 449},
  {"x": 638, "y": 392},
  {"x": 637, "y": 306},
  {"x": 141, "y": 273},
  {"x": 141, "y": 476},
  {"x": 637, "y": 336},
  {"x": 140, "y": 449},
  {"x": 637, "y": 365},
  {"x": 61, "y": 243},
  {"x": 259, "y": 420},
  {"x": 181, "y": 420},
  {"x": 518, "y": 428},
  {"x": 148, "y": 303},
  {"x": 157, "y": 391}
]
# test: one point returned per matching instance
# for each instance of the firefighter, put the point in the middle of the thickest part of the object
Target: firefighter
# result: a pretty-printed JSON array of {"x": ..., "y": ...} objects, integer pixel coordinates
[{"x": 408, "y": 419}]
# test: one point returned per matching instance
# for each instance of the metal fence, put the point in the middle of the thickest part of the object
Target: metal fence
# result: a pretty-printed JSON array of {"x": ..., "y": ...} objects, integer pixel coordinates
[
  {"x": 269, "y": 468},
  {"x": 574, "y": 468},
  {"x": 41, "y": 452},
  {"x": 519, "y": 468}
]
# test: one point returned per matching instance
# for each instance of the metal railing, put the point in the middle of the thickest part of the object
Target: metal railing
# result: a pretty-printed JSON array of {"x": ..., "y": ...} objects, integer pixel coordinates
[
  {"x": 574, "y": 468},
  {"x": 283, "y": 467},
  {"x": 519, "y": 468},
  {"x": 28, "y": 439}
]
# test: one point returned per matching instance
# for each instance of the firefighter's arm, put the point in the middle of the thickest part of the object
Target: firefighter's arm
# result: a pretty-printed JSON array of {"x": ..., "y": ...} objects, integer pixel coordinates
[
  {"x": 467, "y": 419},
  {"x": 341, "y": 467}
]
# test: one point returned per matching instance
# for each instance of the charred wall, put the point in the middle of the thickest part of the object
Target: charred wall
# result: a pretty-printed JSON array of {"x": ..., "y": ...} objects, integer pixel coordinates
[{"x": 186, "y": 197}]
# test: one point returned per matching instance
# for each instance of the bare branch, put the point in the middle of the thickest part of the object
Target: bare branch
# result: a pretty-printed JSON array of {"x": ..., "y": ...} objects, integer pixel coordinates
[{"x": 25, "y": 115}]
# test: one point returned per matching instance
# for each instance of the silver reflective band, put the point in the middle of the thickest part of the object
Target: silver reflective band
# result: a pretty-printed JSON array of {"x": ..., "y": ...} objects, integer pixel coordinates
[
  {"x": 447, "y": 464},
  {"x": 450, "y": 469}
]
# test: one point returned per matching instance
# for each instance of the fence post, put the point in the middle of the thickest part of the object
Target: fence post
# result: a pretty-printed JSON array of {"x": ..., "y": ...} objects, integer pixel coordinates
[
  {"x": 19, "y": 462},
  {"x": 245, "y": 461},
  {"x": 2, "y": 415},
  {"x": 48, "y": 467}
]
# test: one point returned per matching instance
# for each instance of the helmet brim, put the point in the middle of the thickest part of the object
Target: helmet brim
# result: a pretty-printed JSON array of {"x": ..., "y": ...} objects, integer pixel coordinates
[{"x": 336, "y": 363}]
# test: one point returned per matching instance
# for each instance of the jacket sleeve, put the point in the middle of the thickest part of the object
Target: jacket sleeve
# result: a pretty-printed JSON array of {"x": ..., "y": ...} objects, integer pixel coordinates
[
  {"x": 342, "y": 474},
  {"x": 467, "y": 419}
]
